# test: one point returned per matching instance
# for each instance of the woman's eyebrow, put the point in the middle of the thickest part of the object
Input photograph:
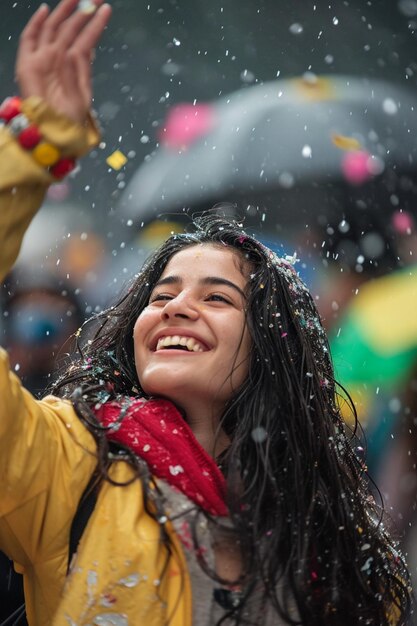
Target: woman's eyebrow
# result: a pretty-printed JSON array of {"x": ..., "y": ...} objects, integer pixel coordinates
[
  {"x": 208, "y": 280},
  {"x": 168, "y": 280},
  {"x": 216, "y": 280}
]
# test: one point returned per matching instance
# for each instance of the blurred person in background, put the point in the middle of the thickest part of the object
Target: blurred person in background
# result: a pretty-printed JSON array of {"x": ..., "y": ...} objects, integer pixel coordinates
[{"x": 40, "y": 312}]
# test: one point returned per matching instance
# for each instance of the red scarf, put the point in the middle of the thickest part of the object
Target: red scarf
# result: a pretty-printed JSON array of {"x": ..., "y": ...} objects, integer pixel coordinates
[{"x": 156, "y": 431}]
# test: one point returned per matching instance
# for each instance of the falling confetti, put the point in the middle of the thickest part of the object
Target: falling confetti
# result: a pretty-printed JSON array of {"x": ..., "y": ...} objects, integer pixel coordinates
[
  {"x": 345, "y": 143},
  {"x": 116, "y": 160},
  {"x": 186, "y": 123},
  {"x": 402, "y": 222},
  {"x": 357, "y": 167}
]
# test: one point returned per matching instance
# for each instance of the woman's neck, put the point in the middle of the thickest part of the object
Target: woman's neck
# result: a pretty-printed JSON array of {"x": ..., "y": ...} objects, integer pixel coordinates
[{"x": 205, "y": 426}]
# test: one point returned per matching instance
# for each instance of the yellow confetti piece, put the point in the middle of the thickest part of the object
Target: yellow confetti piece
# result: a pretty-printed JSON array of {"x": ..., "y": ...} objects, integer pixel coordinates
[
  {"x": 116, "y": 160},
  {"x": 316, "y": 88},
  {"x": 345, "y": 143}
]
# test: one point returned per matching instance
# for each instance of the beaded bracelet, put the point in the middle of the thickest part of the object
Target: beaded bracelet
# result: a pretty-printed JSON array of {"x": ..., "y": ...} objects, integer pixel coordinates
[{"x": 30, "y": 138}]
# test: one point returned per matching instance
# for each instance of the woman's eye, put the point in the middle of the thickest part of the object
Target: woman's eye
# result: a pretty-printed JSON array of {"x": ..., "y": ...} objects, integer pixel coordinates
[
  {"x": 160, "y": 296},
  {"x": 216, "y": 297}
]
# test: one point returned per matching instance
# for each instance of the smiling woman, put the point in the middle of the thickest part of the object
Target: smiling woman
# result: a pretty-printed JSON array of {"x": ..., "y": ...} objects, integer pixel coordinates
[
  {"x": 201, "y": 410},
  {"x": 292, "y": 521},
  {"x": 198, "y": 302}
]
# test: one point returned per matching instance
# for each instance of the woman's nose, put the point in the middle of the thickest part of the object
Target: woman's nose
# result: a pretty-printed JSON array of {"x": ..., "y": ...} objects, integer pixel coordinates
[{"x": 183, "y": 306}]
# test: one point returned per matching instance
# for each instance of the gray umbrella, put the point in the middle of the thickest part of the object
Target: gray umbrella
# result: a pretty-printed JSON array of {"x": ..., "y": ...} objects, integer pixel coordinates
[{"x": 289, "y": 152}]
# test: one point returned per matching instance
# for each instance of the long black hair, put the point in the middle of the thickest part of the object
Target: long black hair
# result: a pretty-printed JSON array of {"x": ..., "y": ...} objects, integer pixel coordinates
[{"x": 298, "y": 495}]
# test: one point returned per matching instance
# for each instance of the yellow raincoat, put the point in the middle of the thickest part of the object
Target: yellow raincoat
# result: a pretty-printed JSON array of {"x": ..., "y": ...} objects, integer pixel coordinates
[{"x": 47, "y": 457}]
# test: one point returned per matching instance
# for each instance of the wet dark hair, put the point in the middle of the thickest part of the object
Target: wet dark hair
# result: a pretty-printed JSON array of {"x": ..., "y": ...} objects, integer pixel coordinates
[{"x": 298, "y": 495}]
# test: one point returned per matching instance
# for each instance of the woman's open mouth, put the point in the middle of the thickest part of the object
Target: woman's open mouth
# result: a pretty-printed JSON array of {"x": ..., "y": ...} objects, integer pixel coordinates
[{"x": 178, "y": 342}]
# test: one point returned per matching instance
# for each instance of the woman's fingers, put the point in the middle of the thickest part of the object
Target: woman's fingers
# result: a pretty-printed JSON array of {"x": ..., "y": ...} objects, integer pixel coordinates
[
  {"x": 90, "y": 34},
  {"x": 74, "y": 29},
  {"x": 59, "y": 15},
  {"x": 30, "y": 35},
  {"x": 83, "y": 72}
]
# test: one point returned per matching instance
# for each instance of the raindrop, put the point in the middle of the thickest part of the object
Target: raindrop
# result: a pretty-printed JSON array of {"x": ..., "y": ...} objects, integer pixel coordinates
[
  {"x": 296, "y": 29},
  {"x": 176, "y": 42},
  {"x": 170, "y": 68},
  {"x": 335, "y": 21},
  {"x": 394, "y": 405},
  {"x": 389, "y": 106},
  {"x": 247, "y": 76},
  {"x": 286, "y": 180},
  {"x": 329, "y": 58},
  {"x": 259, "y": 434},
  {"x": 344, "y": 226},
  {"x": 307, "y": 152},
  {"x": 372, "y": 245}
]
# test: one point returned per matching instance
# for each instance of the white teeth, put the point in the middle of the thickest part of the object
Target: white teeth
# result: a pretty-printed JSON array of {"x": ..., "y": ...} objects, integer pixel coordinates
[{"x": 176, "y": 340}]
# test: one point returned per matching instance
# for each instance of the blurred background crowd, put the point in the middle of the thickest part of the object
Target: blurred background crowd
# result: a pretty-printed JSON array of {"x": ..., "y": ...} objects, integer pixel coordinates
[{"x": 302, "y": 117}]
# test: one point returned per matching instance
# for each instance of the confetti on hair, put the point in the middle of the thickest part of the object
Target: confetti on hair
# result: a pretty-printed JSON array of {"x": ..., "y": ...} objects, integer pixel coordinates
[{"x": 292, "y": 259}]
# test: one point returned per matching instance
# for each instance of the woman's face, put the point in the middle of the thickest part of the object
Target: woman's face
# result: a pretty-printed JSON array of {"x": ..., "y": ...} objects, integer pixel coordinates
[{"x": 191, "y": 341}]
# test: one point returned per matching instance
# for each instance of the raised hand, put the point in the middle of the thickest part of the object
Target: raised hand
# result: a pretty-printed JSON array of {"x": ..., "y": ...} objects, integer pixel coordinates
[{"x": 55, "y": 54}]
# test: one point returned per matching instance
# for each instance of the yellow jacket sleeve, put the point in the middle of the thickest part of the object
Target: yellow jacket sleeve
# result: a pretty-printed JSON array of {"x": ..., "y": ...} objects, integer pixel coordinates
[
  {"x": 46, "y": 459},
  {"x": 23, "y": 182},
  {"x": 34, "y": 435}
]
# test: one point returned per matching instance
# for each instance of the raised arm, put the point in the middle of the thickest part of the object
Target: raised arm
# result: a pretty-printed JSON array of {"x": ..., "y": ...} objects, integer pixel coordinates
[{"x": 54, "y": 77}]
